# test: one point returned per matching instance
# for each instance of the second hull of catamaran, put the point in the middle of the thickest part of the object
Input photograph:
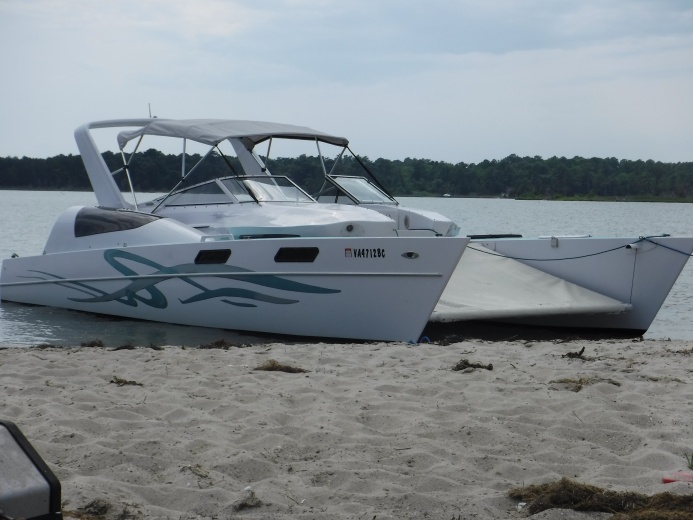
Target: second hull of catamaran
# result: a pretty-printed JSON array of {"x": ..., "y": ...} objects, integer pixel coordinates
[{"x": 574, "y": 282}]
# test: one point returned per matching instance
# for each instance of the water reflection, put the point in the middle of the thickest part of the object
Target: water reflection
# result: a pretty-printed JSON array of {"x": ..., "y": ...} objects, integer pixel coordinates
[{"x": 25, "y": 325}]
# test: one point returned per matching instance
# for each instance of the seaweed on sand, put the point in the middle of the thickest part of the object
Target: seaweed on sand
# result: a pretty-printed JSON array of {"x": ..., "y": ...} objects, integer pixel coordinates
[
  {"x": 272, "y": 365},
  {"x": 124, "y": 382},
  {"x": 249, "y": 500},
  {"x": 125, "y": 346},
  {"x": 577, "y": 384},
  {"x": 223, "y": 344},
  {"x": 95, "y": 343},
  {"x": 464, "y": 364},
  {"x": 568, "y": 494},
  {"x": 99, "y": 509},
  {"x": 574, "y": 355}
]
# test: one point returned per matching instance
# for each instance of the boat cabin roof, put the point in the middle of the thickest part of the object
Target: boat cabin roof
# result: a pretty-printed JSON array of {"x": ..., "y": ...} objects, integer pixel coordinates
[{"x": 214, "y": 131}]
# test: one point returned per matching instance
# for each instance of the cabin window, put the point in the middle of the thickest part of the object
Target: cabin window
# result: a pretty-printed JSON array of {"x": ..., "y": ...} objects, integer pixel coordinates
[
  {"x": 213, "y": 256},
  {"x": 95, "y": 221},
  {"x": 296, "y": 254}
]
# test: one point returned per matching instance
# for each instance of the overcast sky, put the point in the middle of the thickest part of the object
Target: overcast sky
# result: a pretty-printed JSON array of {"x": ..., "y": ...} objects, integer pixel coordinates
[{"x": 450, "y": 80}]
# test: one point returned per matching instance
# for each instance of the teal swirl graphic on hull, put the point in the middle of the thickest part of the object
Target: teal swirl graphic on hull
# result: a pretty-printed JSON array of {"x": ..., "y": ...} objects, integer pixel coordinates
[{"x": 145, "y": 290}]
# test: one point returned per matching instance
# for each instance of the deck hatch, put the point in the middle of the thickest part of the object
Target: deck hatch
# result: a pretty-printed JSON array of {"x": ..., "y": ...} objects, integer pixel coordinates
[
  {"x": 213, "y": 256},
  {"x": 296, "y": 254}
]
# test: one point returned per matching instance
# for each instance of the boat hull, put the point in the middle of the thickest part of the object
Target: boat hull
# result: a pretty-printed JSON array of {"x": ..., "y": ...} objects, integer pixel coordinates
[
  {"x": 367, "y": 289},
  {"x": 636, "y": 271}
]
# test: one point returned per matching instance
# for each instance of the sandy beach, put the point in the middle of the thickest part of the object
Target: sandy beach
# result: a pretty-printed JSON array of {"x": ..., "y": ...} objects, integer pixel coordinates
[{"x": 370, "y": 431}]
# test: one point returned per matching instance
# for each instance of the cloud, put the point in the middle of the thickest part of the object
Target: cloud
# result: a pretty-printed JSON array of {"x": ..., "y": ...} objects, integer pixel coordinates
[{"x": 456, "y": 81}]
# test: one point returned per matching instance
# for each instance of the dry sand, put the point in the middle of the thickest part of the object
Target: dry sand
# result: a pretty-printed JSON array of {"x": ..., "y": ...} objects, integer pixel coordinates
[{"x": 372, "y": 431}]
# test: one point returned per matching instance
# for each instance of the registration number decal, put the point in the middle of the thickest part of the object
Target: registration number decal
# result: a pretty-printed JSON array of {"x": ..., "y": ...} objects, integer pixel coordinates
[{"x": 364, "y": 252}]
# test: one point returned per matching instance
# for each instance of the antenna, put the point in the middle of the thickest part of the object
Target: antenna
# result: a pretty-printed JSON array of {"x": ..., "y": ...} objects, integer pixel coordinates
[{"x": 150, "y": 110}]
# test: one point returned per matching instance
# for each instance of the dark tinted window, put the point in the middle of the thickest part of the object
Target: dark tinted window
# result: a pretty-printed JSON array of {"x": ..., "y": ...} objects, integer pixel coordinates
[
  {"x": 213, "y": 256},
  {"x": 93, "y": 221},
  {"x": 296, "y": 254}
]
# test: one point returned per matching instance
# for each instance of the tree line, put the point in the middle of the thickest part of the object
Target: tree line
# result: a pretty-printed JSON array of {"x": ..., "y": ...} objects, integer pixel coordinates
[{"x": 512, "y": 177}]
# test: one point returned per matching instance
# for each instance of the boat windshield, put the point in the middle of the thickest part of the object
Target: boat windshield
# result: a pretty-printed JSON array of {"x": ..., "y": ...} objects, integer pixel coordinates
[
  {"x": 207, "y": 193},
  {"x": 235, "y": 186},
  {"x": 361, "y": 189},
  {"x": 267, "y": 188},
  {"x": 233, "y": 190}
]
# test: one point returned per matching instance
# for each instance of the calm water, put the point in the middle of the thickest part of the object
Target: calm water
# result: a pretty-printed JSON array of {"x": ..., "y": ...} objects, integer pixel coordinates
[{"x": 26, "y": 219}]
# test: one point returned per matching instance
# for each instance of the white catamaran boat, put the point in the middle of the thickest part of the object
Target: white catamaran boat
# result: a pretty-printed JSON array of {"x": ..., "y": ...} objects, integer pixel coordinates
[
  {"x": 240, "y": 218},
  {"x": 243, "y": 253}
]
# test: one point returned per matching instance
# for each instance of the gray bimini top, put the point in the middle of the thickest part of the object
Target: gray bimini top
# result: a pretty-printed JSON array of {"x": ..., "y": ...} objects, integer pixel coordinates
[{"x": 214, "y": 131}]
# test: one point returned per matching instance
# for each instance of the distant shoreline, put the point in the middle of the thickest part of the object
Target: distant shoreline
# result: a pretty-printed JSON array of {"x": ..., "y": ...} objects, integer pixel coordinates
[
  {"x": 555, "y": 178},
  {"x": 673, "y": 200}
]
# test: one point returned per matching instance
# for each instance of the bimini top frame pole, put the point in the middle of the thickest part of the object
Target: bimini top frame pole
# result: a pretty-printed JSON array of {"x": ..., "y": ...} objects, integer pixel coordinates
[{"x": 105, "y": 188}]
